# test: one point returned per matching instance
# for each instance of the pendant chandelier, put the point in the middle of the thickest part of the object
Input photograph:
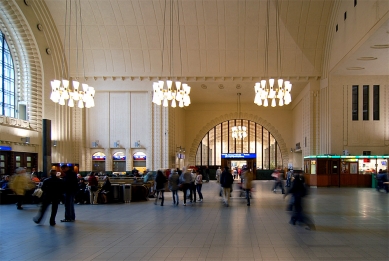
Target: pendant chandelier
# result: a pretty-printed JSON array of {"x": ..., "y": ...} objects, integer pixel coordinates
[
  {"x": 172, "y": 92},
  {"x": 70, "y": 91},
  {"x": 239, "y": 132},
  {"x": 265, "y": 89}
]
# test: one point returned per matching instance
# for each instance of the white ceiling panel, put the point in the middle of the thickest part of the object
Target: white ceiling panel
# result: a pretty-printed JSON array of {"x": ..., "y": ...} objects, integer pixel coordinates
[{"x": 220, "y": 39}]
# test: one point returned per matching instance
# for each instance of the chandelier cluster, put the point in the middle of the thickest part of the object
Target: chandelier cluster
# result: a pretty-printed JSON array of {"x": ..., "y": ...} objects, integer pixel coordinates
[
  {"x": 239, "y": 132},
  {"x": 266, "y": 90},
  {"x": 180, "y": 94},
  {"x": 163, "y": 92},
  {"x": 62, "y": 93},
  {"x": 69, "y": 91}
]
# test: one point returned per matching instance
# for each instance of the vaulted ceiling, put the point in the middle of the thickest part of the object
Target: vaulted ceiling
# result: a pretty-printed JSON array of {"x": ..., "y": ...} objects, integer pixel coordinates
[{"x": 219, "y": 47}]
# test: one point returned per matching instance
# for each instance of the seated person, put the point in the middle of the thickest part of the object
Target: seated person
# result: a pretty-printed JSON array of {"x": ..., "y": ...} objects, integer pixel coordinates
[
  {"x": 82, "y": 195},
  {"x": 105, "y": 192},
  {"x": 35, "y": 179},
  {"x": 4, "y": 183}
]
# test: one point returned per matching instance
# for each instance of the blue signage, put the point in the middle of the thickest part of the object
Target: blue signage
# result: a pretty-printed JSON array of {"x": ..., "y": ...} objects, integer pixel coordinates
[
  {"x": 239, "y": 155},
  {"x": 8, "y": 148}
]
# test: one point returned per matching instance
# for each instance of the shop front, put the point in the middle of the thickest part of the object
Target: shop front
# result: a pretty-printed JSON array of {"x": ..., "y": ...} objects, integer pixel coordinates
[{"x": 343, "y": 171}]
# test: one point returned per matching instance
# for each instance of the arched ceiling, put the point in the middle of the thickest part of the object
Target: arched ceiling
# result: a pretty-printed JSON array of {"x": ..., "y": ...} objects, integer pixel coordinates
[{"x": 217, "y": 42}]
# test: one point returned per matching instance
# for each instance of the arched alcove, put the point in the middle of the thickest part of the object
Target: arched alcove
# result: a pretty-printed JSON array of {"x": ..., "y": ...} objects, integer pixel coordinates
[{"x": 232, "y": 116}]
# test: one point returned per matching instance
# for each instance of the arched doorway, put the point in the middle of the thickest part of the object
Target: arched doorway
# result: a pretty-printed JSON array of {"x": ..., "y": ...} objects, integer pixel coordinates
[{"x": 259, "y": 150}]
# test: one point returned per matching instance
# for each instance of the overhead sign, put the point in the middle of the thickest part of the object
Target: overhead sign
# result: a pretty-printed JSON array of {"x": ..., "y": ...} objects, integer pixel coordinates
[
  {"x": 239, "y": 155},
  {"x": 8, "y": 148}
]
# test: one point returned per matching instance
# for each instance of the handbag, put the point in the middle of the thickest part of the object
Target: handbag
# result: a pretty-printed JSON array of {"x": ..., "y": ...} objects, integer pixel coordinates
[{"x": 38, "y": 192}]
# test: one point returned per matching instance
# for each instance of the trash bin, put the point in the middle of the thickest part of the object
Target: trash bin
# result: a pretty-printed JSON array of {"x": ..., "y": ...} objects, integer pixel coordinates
[
  {"x": 117, "y": 193},
  {"x": 374, "y": 180},
  {"x": 127, "y": 193}
]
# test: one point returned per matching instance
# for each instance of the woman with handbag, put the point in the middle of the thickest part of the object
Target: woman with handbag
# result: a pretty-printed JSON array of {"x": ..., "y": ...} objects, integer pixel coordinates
[{"x": 93, "y": 184}]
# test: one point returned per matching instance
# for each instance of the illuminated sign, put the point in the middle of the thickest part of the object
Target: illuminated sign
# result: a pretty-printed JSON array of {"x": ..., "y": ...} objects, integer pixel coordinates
[
  {"x": 346, "y": 157},
  {"x": 239, "y": 155},
  {"x": 139, "y": 156},
  {"x": 98, "y": 156},
  {"x": 7, "y": 148}
]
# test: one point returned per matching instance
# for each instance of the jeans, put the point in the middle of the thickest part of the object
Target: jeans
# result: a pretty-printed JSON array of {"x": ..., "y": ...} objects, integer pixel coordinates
[
  {"x": 69, "y": 206},
  {"x": 175, "y": 197},
  {"x": 198, "y": 187},
  {"x": 192, "y": 192},
  {"x": 185, "y": 188},
  {"x": 162, "y": 197},
  {"x": 248, "y": 196}
]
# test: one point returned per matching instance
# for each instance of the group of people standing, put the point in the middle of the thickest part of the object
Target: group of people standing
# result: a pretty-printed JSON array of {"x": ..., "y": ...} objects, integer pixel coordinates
[{"x": 184, "y": 180}]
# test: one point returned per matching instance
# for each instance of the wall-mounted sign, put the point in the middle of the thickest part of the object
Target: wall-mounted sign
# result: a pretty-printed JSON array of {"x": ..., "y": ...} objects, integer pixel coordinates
[
  {"x": 5, "y": 148},
  {"x": 119, "y": 156},
  {"x": 139, "y": 156},
  {"x": 239, "y": 155},
  {"x": 98, "y": 156}
]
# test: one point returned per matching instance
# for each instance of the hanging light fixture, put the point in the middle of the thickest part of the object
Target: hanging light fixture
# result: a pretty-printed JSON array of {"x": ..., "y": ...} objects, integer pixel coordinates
[
  {"x": 239, "y": 132},
  {"x": 69, "y": 90},
  {"x": 265, "y": 89},
  {"x": 172, "y": 92}
]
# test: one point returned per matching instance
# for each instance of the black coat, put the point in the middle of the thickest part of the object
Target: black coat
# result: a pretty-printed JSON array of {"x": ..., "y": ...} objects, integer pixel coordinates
[
  {"x": 70, "y": 182},
  {"x": 52, "y": 188},
  {"x": 160, "y": 181},
  {"x": 226, "y": 179}
]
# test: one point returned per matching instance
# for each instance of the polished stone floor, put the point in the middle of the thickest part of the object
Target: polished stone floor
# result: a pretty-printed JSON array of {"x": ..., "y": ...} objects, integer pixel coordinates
[{"x": 352, "y": 224}]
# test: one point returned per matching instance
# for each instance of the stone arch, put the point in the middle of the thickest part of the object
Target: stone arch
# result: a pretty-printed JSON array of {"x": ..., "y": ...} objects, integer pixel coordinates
[
  {"x": 231, "y": 116},
  {"x": 26, "y": 58}
]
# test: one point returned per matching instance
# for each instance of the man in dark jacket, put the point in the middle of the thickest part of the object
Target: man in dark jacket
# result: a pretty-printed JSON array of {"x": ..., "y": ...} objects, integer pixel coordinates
[
  {"x": 52, "y": 193},
  {"x": 226, "y": 181},
  {"x": 70, "y": 189}
]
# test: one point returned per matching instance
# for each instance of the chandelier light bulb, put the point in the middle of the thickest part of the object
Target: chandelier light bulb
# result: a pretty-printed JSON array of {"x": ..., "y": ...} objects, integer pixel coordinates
[
  {"x": 174, "y": 103},
  {"x": 165, "y": 103},
  {"x": 80, "y": 104},
  {"x": 265, "y": 103},
  {"x": 273, "y": 102},
  {"x": 271, "y": 83},
  {"x": 71, "y": 102},
  {"x": 281, "y": 102},
  {"x": 280, "y": 81}
]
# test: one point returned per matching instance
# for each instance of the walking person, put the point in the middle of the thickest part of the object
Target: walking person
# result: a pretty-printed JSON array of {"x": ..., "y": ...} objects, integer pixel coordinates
[
  {"x": 199, "y": 185},
  {"x": 93, "y": 186},
  {"x": 160, "y": 181},
  {"x": 192, "y": 187},
  {"x": 299, "y": 191},
  {"x": 173, "y": 185},
  {"x": 185, "y": 180},
  {"x": 226, "y": 181},
  {"x": 206, "y": 173},
  {"x": 70, "y": 189},
  {"x": 247, "y": 178},
  {"x": 277, "y": 175},
  {"x": 20, "y": 183},
  {"x": 52, "y": 188},
  {"x": 289, "y": 175},
  {"x": 218, "y": 174}
]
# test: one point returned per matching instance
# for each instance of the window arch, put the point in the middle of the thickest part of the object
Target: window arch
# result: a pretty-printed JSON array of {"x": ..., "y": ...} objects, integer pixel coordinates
[
  {"x": 7, "y": 80},
  {"x": 219, "y": 140}
]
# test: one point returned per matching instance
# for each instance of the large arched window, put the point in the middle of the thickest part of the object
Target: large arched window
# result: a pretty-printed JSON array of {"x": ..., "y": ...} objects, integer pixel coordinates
[
  {"x": 7, "y": 80},
  {"x": 259, "y": 141}
]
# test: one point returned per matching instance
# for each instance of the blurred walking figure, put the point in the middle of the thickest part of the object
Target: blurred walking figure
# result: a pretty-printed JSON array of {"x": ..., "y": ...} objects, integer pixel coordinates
[
  {"x": 173, "y": 185},
  {"x": 247, "y": 178},
  {"x": 20, "y": 183},
  {"x": 277, "y": 175},
  {"x": 199, "y": 185},
  {"x": 160, "y": 181},
  {"x": 299, "y": 191},
  {"x": 218, "y": 174},
  {"x": 289, "y": 175},
  {"x": 185, "y": 180},
  {"x": 226, "y": 180},
  {"x": 52, "y": 193}
]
